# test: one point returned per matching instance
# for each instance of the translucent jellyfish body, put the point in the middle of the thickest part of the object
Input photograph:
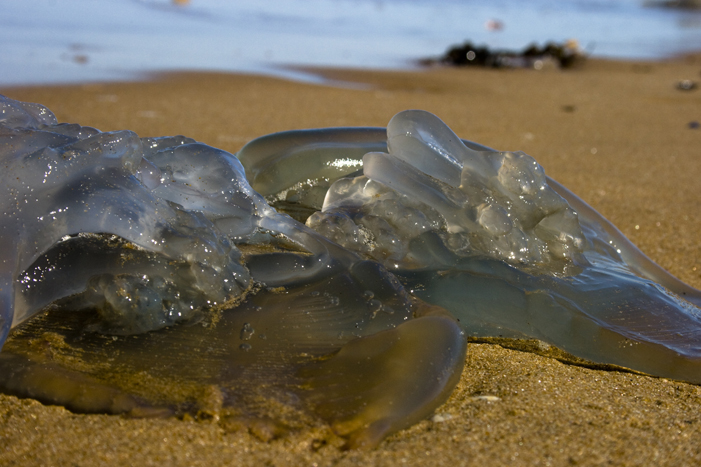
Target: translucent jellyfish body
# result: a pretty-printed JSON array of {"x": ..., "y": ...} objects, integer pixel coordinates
[
  {"x": 158, "y": 281},
  {"x": 508, "y": 251}
]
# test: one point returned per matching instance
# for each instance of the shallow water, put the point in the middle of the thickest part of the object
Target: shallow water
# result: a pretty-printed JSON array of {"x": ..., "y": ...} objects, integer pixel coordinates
[{"x": 47, "y": 41}]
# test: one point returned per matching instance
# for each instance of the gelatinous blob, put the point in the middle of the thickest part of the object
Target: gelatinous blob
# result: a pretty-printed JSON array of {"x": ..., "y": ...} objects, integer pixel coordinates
[
  {"x": 509, "y": 252},
  {"x": 161, "y": 283}
]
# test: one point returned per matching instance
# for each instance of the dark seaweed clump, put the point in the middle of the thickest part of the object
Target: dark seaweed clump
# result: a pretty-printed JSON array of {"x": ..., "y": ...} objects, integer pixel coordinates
[{"x": 565, "y": 55}]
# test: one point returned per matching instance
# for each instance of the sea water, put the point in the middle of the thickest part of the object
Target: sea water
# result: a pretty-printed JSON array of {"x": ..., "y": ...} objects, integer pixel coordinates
[{"x": 50, "y": 41}]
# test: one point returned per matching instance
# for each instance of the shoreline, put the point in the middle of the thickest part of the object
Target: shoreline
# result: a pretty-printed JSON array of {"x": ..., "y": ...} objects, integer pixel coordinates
[
  {"x": 321, "y": 75},
  {"x": 616, "y": 133}
]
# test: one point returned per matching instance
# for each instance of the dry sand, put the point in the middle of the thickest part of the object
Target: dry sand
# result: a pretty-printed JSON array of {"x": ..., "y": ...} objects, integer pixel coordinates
[{"x": 618, "y": 134}]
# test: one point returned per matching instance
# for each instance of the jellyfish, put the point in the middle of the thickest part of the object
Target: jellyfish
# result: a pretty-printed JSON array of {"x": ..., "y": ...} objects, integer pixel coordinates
[{"x": 320, "y": 276}]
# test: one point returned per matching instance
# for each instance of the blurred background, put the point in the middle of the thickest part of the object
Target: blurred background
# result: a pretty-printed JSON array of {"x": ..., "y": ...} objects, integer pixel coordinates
[{"x": 57, "y": 41}]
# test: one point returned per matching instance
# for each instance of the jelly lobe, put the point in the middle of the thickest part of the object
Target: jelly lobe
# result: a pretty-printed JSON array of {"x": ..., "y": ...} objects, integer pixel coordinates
[{"x": 363, "y": 406}]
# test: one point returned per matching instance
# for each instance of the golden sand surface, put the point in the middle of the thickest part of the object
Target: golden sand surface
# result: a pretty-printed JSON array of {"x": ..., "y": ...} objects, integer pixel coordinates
[{"x": 618, "y": 134}]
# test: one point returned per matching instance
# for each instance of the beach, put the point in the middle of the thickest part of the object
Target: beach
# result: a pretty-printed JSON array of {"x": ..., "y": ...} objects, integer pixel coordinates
[{"x": 619, "y": 134}]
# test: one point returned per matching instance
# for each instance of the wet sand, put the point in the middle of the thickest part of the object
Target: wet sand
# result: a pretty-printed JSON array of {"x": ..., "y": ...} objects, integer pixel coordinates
[{"x": 618, "y": 134}]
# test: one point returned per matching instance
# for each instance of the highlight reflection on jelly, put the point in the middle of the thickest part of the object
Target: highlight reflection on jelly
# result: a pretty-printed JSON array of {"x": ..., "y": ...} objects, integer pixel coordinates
[{"x": 333, "y": 280}]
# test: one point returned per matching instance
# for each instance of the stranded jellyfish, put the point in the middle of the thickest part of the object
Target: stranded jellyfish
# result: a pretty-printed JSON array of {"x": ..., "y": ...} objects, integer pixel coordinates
[{"x": 322, "y": 276}]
